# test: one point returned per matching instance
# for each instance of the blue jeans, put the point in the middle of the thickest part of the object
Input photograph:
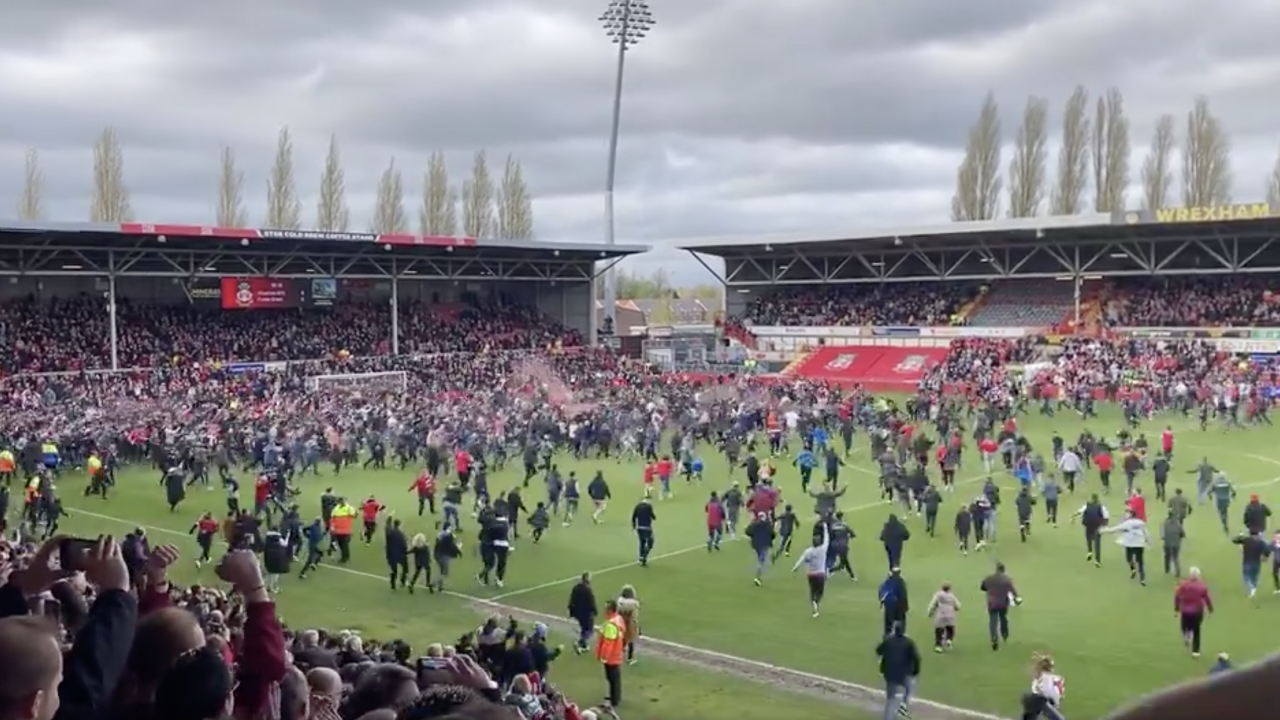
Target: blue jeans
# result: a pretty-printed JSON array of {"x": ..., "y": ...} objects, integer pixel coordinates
[
  {"x": 585, "y": 631},
  {"x": 1250, "y": 572},
  {"x": 897, "y": 695}
]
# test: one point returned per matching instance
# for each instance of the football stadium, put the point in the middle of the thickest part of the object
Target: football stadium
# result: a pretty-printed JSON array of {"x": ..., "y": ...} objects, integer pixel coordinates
[{"x": 949, "y": 407}]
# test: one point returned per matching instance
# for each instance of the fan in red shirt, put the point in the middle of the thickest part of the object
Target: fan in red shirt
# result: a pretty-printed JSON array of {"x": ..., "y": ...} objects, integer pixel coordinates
[
  {"x": 1166, "y": 443},
  {"x": 988, "y": 447},
  {"x": 425, "y": 485},
  {"x": 665, "y": 467},
  {"x": 205, "y": 529},
  {"x": 262, "y": 496},
  {"x": 715, "y": 522},
  {"x": 1137, "y": 504},
  {"x": 1191, "y": 601},
  {"x": 369, "y": 514},
  {"x": 650, "y": 472},
  {"x": 462, "y": 462},
  {"x": 764, "y": 499},
  {"x": 1105, "y": 462}
]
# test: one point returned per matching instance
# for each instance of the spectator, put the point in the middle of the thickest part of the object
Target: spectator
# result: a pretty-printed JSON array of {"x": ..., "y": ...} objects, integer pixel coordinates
[
  {"x": 74, "y": 335},
  {"x": 98, "y": 652},
  {"x": 1190, "y": 301},
  {"x": 881, "y": 305}
]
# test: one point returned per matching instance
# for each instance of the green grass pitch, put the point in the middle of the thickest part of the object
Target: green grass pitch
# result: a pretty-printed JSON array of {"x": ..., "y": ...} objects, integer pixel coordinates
[{"x": 1112, "y": 639}]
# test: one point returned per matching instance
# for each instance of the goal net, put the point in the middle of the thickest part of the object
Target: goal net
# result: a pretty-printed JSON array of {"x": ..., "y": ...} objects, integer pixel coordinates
[{"x": 370, "y": 383}]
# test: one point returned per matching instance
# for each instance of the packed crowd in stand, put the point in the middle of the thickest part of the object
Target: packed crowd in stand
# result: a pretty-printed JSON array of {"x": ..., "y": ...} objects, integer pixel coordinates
[
  {"x": 909, "y": 304},
  {"x": 1188, "y": 301},
  {"x": 1133, "y": 302},
  {"x": 1145, "y": 363},
  {"x": 62, "y": 335},
  {"x": 138, "y": 647},
  {"x": 978, "y": 363}
]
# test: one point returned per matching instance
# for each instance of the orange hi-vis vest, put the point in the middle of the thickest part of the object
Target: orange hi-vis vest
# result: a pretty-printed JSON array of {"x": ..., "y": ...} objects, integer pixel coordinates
[
  {"x": 342, "y": 522},
  {"x": 611, "y": 644}
]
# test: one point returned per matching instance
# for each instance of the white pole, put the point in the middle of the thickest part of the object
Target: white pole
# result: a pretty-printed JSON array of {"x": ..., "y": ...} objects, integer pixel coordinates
[
  {"x": 610, "y": 223},
  {"x": 1079, "y": 283},
  {"x": 395, "y": 314},
  {"x": 111, "y": 321}
]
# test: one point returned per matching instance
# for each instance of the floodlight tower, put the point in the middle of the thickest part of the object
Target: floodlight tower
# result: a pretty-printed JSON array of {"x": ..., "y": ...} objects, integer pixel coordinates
[{"x": 625, "y": 22}]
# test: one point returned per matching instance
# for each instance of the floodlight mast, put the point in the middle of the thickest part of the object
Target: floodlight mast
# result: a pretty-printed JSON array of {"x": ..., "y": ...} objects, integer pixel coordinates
[{"x": 626, "y": 23}]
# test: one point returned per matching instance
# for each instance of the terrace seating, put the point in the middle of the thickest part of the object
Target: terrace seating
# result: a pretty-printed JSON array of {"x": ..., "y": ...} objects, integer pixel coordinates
[
  {"x": 882, "y": 305},
  {"x": 1024, "y": 304},
  {"x": 1184, "y": 301},
  {"x": 72, "y": 335}
]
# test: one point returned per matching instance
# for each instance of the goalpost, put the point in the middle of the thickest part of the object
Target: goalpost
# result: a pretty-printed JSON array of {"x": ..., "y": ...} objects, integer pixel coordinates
[{"x": 370, "y": 382}]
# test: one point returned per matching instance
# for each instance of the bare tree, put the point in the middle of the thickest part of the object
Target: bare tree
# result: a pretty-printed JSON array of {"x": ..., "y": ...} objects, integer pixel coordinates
[
  {"x": 515, "y": 207},
  {"x": 388, "y": 212},
  {"x": 331, "y": 206},
  {"x": 477, "y": 200},
  {"x": 31, "y": 201},
  {"x": 1027, "y": 168},
  {"x": 439, "y": 212},
  {"x": 1111, "y": 145},
  {"x": 1073, "y": 156},
  {"x": 1273, "y": 184},
  {"x": 978, "y": 177},
  {"x": 1206, "y": 159},
  {"x": 284, "y": 209},
  {"x": 230, "y": 213},
  {"x": 110, "y": 201},
  {"x": 1157, "y": 167}
]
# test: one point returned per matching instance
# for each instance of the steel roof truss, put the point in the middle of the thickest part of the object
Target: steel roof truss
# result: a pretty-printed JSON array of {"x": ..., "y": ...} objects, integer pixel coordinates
[
  {"x": 1222, "y": 253},
  {"x": 1162, "y": 263},
  {"x": 1248, "y": 259}
]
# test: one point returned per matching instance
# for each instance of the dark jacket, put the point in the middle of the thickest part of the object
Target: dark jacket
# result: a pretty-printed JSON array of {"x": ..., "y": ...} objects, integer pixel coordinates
[
  {"x": 93, "y": 667},
  {"x": 899, "y": 658},
  {"x": 582, "y": 602}
]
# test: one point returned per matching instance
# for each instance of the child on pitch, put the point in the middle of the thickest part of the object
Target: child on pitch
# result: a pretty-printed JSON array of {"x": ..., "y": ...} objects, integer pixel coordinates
[
  {"x": 1047, "y": 691},
  {"x": 629, "y": 609}
]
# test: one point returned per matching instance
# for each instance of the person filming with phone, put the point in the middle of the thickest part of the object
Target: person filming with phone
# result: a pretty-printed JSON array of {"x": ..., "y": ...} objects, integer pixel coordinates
[{"x": 36, "y": 682}]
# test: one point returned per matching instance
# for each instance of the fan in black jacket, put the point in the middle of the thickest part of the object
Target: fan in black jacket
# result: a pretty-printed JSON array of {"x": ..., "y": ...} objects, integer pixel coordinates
[
  {"x": 397, "y": 551},
  {"x": 582, "y": 607}
]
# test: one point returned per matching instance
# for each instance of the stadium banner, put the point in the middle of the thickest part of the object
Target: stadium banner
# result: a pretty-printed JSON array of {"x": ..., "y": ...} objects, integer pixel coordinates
[
  {"x": 246, "y": 235},
  {"x": 895, "y": 332},
  {"x": 1185, "y": 333},
  {"x": 1203, "y": 214},
  {"x": 1233, "y": 340},
  {"x": 850, "y": 332},
  {"x": 992, "y": 333}
]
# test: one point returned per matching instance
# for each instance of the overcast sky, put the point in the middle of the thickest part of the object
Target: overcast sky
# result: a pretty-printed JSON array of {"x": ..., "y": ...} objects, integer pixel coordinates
[{"x": 740, "y": 116}]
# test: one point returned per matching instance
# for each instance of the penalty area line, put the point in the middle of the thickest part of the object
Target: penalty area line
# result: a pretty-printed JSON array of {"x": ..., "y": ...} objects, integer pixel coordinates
[{"x": 678, "y": 648}]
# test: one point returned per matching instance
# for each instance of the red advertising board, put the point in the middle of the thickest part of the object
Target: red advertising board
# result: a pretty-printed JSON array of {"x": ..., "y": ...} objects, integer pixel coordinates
[{"x": 255, "y": 293}]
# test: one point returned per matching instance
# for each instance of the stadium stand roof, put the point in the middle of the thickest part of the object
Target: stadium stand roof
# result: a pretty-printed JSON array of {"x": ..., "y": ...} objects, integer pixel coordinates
[
  {"x": 125, "y": 235},
  {"x": 1175, "y": 223}
]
